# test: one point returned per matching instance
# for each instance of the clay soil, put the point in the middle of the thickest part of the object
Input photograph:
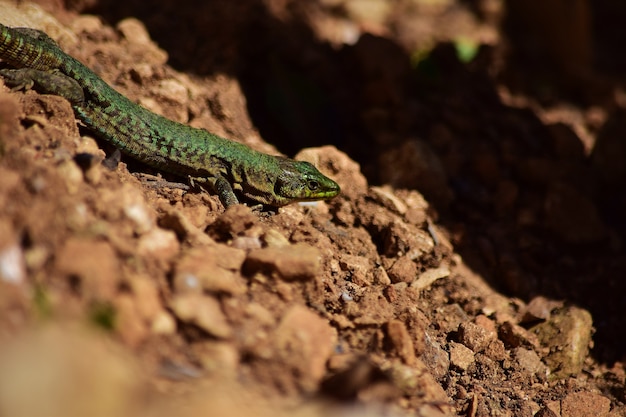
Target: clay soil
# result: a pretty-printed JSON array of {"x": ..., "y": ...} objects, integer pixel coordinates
[{"x": 474, "y": 264}]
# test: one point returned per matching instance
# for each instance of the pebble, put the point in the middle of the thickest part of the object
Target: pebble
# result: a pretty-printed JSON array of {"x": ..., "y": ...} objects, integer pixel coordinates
[
  {"x": 211, "y": 269},
  {"x": 160, "y": 244},
  {"x": 401, "y": 341},
  {"x": 163, "y": 324},
  {"x": 436, "y": 359},
  {"x": 403, "y": 270},
  {"x": 582, "y": 404},
  {"x": 539, "y": 308},
  {"x": 567, "y": 335},
  {"x": 296, "y": 262},
  {"x": 528, "y": 361},
  {"x": 514, "y": 336},
  {"x": 461, "y": 357},
  {"x": 129, "y": 324},
  {"x": 475, "y": 337},
  {"x": 428, "y": 277},
  {"x": 12, "y": 265},
  {"x": 202, "y": 311},
  {"x": 305, "y": 341},
  {"x": 94, "y": 263}
]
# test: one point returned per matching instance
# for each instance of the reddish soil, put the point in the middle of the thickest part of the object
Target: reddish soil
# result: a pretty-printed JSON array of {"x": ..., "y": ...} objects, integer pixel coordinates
[{"x": 473, "y": 265}]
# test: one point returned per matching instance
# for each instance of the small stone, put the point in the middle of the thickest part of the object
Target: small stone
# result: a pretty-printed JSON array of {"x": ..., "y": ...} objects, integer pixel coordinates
[
  {"x": 496, "y": 351},
  {"x": 400, "y": 238},
  {"x": 95, "y": 265},
  {"x": 216, "y": 356},
  {"x": 475, "y": 337},
  {"x": 163, "y": 324},
  {"x": 138, "y": 213},
  {"x": 134, "y": 31},
  {"x": 403, "y": 270},
  {"x": 295, "y": 262},
  {"x": 12, "y": 265},
  {"x": 147, "y": 298},
  {"x": 210, "y": 269},
  {"x": 386, "y": 197},
  {"x": 428, "y": 277},
  {"x": 582, "y": 404},
  {"x": 304, "y": 342},
  {"x": 435, "y": 357},
  {"x": 359, "y": 268},
  {"x": 529, "y": 362},
  {"x": 159, "y": 244},
  {"x": 514, "y": 336},
  {"x": 461, "y": 357},
  {"x": 237, "y": 220},
  {"x": 539, "y": 308},
  {"x": 202, "y": 311},
  {"x": 71, "y": 174},
  {"x": 567, "y": 334},
  {"x": 128, "y": 322},
  {"x": 274, "y": 239},
  {"x": 401, "y": 342},
  {"x": 450, "y": 317}
]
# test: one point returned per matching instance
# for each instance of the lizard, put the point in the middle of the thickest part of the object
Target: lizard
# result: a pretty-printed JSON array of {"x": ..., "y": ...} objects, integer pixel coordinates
[{"x": 226, "y": 167}]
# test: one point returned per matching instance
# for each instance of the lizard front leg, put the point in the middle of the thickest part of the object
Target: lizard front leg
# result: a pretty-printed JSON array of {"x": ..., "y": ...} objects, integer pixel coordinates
[{"x": 221, "y": 187}]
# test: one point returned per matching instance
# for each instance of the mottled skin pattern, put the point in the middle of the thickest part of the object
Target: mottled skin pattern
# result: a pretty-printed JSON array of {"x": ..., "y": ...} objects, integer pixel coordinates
[{"x": 227, "y": 167}]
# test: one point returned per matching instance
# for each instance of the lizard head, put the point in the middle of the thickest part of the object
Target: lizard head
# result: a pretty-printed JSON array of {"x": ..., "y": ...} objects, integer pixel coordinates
[{"x": 301, "y": 181}]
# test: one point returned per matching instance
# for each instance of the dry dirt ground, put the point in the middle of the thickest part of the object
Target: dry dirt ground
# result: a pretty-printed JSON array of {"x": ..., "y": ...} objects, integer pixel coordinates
[{"x": 473, "y": 265}]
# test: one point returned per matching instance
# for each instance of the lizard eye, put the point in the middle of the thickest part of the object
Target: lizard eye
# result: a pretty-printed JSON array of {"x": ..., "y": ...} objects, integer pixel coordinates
[{"x": 313, "y": 185}]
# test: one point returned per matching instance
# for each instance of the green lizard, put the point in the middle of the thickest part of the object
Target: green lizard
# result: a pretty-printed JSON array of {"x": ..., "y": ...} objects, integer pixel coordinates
[{"x": 225, "y": 166}]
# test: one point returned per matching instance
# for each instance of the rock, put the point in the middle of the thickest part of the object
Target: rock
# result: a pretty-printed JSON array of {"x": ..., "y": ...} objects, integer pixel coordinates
[
  {"x": 295, "y": 262},
  {"x": 428, "y": 277},
  {"x": 159, "y": 244},
  {"x": 530, "y": 362},
  {"x": 12, "y": 262},
  {"x": 236, "y": 221},
  {"x": 93, "y": 264},
  {"x": 400, "y": 340},
  {"x": 583, "y": 404},
  {"x": 496, "y": 351},
  {"x": 147, "y": 297},
  {"x": 461, "y": 357},
  {"x": 539, "y": 308},
  {"x": 475, "y": 337},
  {"x": 304, "y": 342},
  {"x": 202, "y": 311},
  {"x": 436, "y": 359},
  {"x": 567, "y": 335},
  {"x": 212, "y": 269},
  {"x": 514, "y": 336},
  {"x": 402, "y": 270},
  {"x": 129, "y": 324},
  {"x": 215, "y": 356},
  {"x": 359, "y": 268},
  {"x": 163, "y": 324},
  {"x": 400, "y": 238}
]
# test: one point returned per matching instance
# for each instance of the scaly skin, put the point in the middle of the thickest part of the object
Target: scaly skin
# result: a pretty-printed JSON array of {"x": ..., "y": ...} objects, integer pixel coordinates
[{"x": 226, "y": 166}]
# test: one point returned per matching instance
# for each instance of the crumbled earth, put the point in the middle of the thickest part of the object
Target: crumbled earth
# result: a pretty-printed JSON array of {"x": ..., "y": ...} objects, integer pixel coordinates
[{"x": 473, "y": 264}]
